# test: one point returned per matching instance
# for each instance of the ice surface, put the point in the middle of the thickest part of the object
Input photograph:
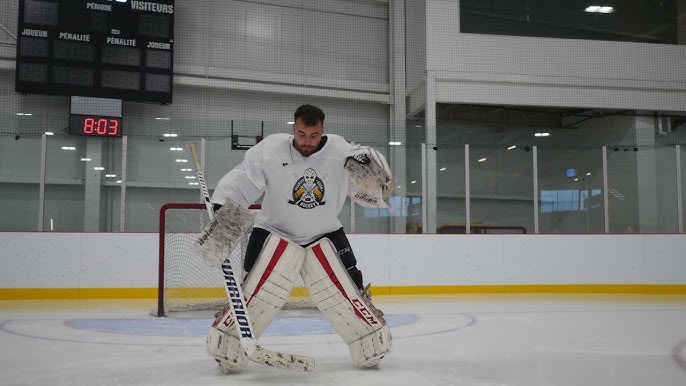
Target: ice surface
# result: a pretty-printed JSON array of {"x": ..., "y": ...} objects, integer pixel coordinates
[{"x": 438, "y": 340}]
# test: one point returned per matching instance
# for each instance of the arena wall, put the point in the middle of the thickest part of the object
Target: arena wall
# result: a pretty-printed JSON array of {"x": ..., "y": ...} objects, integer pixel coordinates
[{"x": 124, "y": 265}]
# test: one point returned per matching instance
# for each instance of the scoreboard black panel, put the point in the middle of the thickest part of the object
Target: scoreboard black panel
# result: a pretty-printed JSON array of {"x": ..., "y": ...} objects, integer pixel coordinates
[{"x": 119, "y": 49}]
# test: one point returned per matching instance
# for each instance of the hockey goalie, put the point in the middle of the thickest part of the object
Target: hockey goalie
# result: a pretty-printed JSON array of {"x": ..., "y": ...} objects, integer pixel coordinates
[{"x": 304, "y": 179}]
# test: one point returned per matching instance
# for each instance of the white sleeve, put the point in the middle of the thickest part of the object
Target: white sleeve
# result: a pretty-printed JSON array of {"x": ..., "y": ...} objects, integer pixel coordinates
[{"x": 245, "y": 183}]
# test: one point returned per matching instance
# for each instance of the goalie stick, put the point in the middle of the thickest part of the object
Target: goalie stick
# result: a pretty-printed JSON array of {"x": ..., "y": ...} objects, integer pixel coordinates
[{"x": 238, "y": 308}]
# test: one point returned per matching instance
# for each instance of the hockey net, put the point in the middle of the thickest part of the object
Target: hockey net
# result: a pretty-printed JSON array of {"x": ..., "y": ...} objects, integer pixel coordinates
[{"x": 186, "y": 282}]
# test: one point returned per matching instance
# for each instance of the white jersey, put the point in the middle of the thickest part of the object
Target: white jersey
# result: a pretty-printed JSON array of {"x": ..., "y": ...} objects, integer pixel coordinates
[{"x": 302, "y": 195}]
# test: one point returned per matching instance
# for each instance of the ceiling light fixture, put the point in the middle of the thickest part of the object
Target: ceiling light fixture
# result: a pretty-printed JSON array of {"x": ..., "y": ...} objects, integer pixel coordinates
[{"x": 599, "y": 9}]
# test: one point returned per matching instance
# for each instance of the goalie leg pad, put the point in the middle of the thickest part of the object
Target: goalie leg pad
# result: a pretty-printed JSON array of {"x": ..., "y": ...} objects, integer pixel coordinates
[
  {"x": 270, "y": 282},
  {"x": 339, "y": 300},
  {"x": 266, "y": 289},
  {"x": 223, "y": 233},
  {"x": 368, "y": 350}
]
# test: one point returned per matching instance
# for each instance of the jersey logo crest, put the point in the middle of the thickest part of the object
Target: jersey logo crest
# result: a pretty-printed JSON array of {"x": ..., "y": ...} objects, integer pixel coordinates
[{"x": 308, "y": 191}]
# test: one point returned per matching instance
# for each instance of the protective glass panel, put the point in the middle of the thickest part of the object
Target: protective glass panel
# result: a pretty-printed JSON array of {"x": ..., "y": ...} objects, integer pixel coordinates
[
  {"x": 570, "y": 188},
  {"x": 682, "y": 155},
  {"x": 19, "y": 183},
  {"x": 111, "y": 179},
  {"x": 501, "y": 188},
  {"x": 450, "y": 190},
  {"x": 413, "y": 189},
  {"x": 67, "y": 162},
  {"x": 642, "y": 190}
]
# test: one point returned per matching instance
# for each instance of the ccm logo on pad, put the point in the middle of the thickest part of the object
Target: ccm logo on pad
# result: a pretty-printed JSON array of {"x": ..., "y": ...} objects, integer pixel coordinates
[{"x": 368, "y": 316}]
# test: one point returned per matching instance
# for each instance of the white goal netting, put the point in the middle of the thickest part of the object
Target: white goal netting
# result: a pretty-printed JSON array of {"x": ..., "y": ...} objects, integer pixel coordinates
[{"x": 186, "y": 282}]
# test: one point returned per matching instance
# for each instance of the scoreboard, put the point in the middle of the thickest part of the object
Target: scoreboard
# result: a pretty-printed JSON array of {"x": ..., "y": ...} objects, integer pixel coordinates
[{"x": 120, "y": 49}]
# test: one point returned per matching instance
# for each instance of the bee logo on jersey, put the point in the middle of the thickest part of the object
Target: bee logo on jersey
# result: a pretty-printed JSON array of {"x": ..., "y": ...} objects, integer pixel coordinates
[{"x": 308, "y": 191}]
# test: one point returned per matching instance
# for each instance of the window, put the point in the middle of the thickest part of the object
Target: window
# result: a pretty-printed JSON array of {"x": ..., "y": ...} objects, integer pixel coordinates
[
  {"x": 646, "y": 21},
  {"x": 567, "y": 200}
]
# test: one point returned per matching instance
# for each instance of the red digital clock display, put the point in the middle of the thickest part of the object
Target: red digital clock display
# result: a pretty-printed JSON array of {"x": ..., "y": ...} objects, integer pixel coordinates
[{"x": 95, "y": 126}]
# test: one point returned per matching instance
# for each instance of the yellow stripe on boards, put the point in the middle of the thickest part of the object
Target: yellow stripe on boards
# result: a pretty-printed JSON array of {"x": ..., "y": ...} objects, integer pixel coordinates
[
  {"x": 220, "y": 292},
  {"x": 76, "y": 293}
]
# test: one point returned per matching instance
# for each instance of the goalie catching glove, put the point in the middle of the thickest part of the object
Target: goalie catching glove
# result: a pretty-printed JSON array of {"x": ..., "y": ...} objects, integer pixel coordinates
[{"x": 371, "y": 181}]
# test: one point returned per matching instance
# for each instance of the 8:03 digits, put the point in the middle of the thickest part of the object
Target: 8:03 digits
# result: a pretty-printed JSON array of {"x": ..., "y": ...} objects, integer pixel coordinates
[{"x": 101, "y": 126}]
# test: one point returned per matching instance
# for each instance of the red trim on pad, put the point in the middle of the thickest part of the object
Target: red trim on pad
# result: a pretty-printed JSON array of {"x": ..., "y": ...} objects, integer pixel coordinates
[
  {"x": 283, "y": 244},
  {"x": 317, "y": 249}
]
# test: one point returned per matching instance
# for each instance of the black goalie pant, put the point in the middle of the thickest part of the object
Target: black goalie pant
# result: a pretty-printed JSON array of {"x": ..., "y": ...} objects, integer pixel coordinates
[{"x": 337, "y": 237}]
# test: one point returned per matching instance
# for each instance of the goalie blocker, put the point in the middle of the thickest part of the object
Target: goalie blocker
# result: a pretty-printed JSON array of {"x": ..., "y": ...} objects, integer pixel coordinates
[
  {"x": 224, "y": 231},
  {"x": 351, "y": 313}
]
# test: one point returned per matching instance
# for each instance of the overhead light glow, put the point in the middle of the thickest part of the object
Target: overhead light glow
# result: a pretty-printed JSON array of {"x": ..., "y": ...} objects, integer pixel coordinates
[
  {"x": 176, "y": 148},
  {"x": 511, "y": 147},
  {"x": 99, "y": 168},
  {"x": 542, "y": 134},
  {"x": 394, "y": 143},
  {"x": 180, "y": 160},
  {"x": 482, "y": 159},
  {"x": 170, "y": 135},
  {"x": 443, "y": 168},
  {"x": 162, "y": 119},
  {"x": 189, "y": 177},
  {"x": 599, "y": 9},
  {"x": 588, "y": 174},
  {"x": 290, "y": 123},
  {"x": 192, "y": 183},
  {"x": 413, "y": 182},
  {"x": 86, "y": 159},
  {"x": 68, "y": 148}
]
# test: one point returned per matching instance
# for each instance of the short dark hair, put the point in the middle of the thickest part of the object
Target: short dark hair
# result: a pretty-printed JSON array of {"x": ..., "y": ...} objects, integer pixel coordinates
[{"x": 310, "y": 115}]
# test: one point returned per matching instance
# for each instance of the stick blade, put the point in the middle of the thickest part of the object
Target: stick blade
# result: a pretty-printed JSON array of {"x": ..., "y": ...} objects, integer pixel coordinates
[{"x": 282, "y": 360}]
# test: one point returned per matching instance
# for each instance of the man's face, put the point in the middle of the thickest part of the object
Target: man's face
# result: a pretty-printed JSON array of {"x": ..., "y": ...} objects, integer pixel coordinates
[{"x": 306, "y": 139}]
